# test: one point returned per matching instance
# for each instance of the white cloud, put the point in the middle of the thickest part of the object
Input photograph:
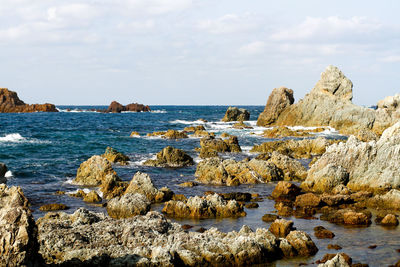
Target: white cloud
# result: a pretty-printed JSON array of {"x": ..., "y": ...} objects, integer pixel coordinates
[
  {"x": 253, "y": 48},
  {"x": 333, "y": 27},
  {"x": 230, "y": 23},
  {"x": 153, "y": 7},
  {"x": 391, "y": 59}
]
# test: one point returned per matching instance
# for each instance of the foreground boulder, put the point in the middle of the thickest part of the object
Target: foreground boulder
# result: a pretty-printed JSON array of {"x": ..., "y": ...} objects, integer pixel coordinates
[
  {"x": 95, "y": 171},
  {"x": 328, "y": 104},
  {"x": 152, "y": 240},
  {"x": 18, "y": 231},
  {"x": 170, "y": 157},
  {"x": 211, "y": 206},
  {"x": 128, "y": 205},
  {"x": 114, "y": 156},
  {"x": 3, "y": 171},
  {"x": 10, "y": 103},
  {"x": 236, "y": 114},
  {"x": 116, "y": 107},
  {"x": 359, "y": 165}
]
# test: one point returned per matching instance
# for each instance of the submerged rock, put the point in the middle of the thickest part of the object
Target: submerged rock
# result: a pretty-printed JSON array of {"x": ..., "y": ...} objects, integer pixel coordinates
[
  {"x": 53, "y": 207},
  {"x": 94, "y": 172},
  {"x": 170, "y": 157},
  {"x": 18, "y": 231},
  {"x": 114, "y": 156},
  {"x": 211, "y": 206},
  {"x": 236, "y": 114},
  {"x": 10, "y": 103},
  {"x": 128, "y": 205}
]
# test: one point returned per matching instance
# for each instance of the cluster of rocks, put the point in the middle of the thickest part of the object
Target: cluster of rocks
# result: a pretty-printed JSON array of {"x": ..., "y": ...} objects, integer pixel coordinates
[
  {"x": 170, "y": 157},
  {"x": 210, "y": 146},
  {"x": 329, "y": 104},
  {"x": 10, "y": 103},
  {"x": 116, "y": 107},
  {"x": 236, "y": 114},
  {"x": 231, "y": 172}
]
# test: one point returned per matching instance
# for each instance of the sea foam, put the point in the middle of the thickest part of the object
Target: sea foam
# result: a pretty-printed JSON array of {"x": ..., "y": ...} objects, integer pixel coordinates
[{"x": 13, "y": 138}]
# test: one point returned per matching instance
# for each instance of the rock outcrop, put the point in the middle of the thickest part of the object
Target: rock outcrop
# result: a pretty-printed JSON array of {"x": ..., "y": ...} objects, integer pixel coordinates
[
  {"x": 10, "y": 103},
  {"x": 170, "y": 157},
  {"x": 3, "y": 171},
  {"x": 86, "y": 238},
  {"x": 236, "y": 114},
  {"x": 95, "y": 171},
  {"x": 128, "y": 205},
  {"x": 336, "y": 261},
  {"x": 112, "y": 155},
  {"x": 210, "y": 206},
  {"x": 116, "y": 107},
  {"x": 210, "y": 146},
  {"x": 18, "y": 231},
  {"x": 141, "y": 183},
  {"x": 359, "y": 165},
  {"x": 328, "y": 104}
]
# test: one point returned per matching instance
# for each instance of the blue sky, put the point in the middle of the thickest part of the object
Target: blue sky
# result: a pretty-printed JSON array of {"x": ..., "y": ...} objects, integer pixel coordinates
[{"x": 194, "y": 51}]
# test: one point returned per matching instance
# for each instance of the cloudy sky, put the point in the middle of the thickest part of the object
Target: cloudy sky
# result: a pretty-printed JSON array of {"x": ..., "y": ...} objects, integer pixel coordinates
[{"x": 194, "y": 51}]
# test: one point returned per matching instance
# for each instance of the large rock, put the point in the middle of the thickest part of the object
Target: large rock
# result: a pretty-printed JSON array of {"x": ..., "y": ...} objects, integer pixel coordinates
[
  {"x": 18, "y": 231},
  {"x": 3, "y": 171},
  {"x": 152, "y": 240},
  {"x": 170, "y": 157},
  {"x": 371, "y": 165},
  {"x": 116, "y": 107},
  {"x": 210, "y": 146},
  {"x": 128, "y": 205},
  {"x": 112, "y": 155},
  {"x": 302, "y": 243},
  {"x": 211, "y": 206},
  {"x": 141, "y": 183},
  {"x": 329, "y": 104},
  {"x": 95, "y": 171},
  {"x": 390, "y": 200},
  {"x": 236, "y": 114},
  {"x": 292, "y": 169},
  {"x": 281, "y": 227},
  {"x": 278, "y": 101},
  {"x": 10, "y": 103}
]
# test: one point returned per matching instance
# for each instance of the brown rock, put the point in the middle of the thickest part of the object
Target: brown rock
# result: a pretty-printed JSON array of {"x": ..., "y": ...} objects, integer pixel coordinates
[
  {"x": 53, "y": 207},
  {"x": 328, "y": 257},
  {"x": 390, "y": 220},
  {"x": 94, "y": 172},
  {"x": 302, "y": 243},
  {"x": 128, "y": 205},
  {"x": 192, "y": 129},
  {"x": 252, "y": 205},
  {"x": 269, "y": 217},
  {"x": 116, "y": 107},
  {"x": 170, "y": 157},
  {"x": 278, "y": 101},
  {"x": 134, "y": 134},
  {"x": 355, "y": 218},
  {"x": 92, "y": 197},
  {"x": 10, "y": 103},
  {"x": 282, "y": 131},
  {"x": 287, "y": 190},
  {"x": 236, "y": 114},
  {"x": 321, "y": 232},
  {"x": 334, "y": 246},
  {"x": 188, "y": 184},
  {"x": 241, "y": 125},
  {"x": 281, "y": 227},
  {"x": 173, "y": 134},
  {"x": 114, "y": 156},
  {"x": 307, "y": 200}
]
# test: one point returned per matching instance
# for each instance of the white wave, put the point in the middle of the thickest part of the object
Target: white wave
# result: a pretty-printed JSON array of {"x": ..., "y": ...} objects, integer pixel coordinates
[
  {"x": 197, "y": 159},
  {"x": 159, "y": 111},
  {"x": 76, "y": 110},
  {"x": 86, "y": 190},
  {"x": 246, "y": 149},
  {"x": 187, "y": 122},
  {"x": 17, "y": 138},
  {"x": 8, "y": 174}
]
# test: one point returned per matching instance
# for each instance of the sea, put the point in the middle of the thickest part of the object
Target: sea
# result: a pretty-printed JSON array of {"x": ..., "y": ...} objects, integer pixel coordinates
[{"x": 44, "y": 150}]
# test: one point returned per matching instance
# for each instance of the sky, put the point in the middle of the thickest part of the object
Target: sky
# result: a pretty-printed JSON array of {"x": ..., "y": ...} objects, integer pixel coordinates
[{"x": 194, "y": 52}]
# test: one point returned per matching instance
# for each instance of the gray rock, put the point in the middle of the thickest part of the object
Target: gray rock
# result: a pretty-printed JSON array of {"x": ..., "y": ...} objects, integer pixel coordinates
[
  {"x": 128, "y": 205},
  {"x": 325, "y": 179},
  {"x": 337, "y": 261},
  {"x": 278, "y": 101},
  {"x": 94, "y": 172},
  {"x": 236, "y": 114}
]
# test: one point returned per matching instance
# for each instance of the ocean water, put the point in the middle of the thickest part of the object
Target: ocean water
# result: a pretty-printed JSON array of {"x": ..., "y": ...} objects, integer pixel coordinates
[{"x": 44, "y": 150}]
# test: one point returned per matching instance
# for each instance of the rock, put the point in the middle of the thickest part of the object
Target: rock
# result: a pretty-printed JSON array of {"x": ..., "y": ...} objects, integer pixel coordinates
[
  {"x": 92, "y": 197},
  {"x": 210, "y": 145},
  {"x": 18, "y": 231},
  {"x": 326, "y": 179},
  {"x": 341, "y": 189},
  {"x": 241, "y": 125},
  {"x": 155, "y": 134},
  {"x": 238, "y": 196},
  {"x": 391, "y": 103},
  {"x": 10, "y": 103},
  {"x": 141, "y": 183},
  {"x": 3, "y": 171},
  {"x": 134, "y": 134},
  {"x": 337, "y": 260},
  {"x": 94, "y": 172},
  {"x": 390, "y": 220},
  {"x": 305, "y": 148},
  {"x": 170, "y": 157},
  {"x": 268, "y": 171},
  {"x": 193, "y": 129},
  {"x": 282, "y": 131},
  {"x": 390, "y": 200},
  {"x": 321, "y": 232},
  {"x": 292, "y": 169},
  {"x": 336, "y": 200},
  {"x": 236, "y": 114},
  {"x": 173, "y": 134},
  {"x": 334, "y": 246},
  {"x": 251, "y": 206},
  {"x": 53, "y": 207},
  {"x": 278, "y": 101},
  {"x": 307, "y": 200},
  {"x": 128, "y": 205},
  {"x": 281, "y": 227},
  {"x": 201, "y": 133},
  {"x": 355, "y": 218},
  {"x": 150, "y": 240},
  {"x": 211, "y": 206},
  {"x": 114, "y": 156},
  {"x": 116, "y": 107},
  {"x": 286, "y": 190},
  {"x": 269, "y": 217},
  {"x": 371, "y": 166},
  {"x": 188, "y": 184},
  {"x": 302, "y": 243}
]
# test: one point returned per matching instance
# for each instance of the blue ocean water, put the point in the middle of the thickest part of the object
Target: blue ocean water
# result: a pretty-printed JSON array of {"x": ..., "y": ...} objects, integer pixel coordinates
[{"x": 44, "y": 150}]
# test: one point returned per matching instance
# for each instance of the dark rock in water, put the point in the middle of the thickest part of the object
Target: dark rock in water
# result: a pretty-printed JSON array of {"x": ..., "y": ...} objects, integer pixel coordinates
[
  {"x": 3, "y": 171},
  {"x": 321, "y": 232},
  {"x": 236, "y": 114},
  {"x": 334, "y": 246},
  {"x": 18, "y": 231},
  {"x": 10, "y": 103},
  {"x": 116, "y": 107},
  {"x": 269, "y": 217},
  {"x": 53, "y": 207},
  {"x": 170, "y": 157},
  {"x": 252, "y": 205}
]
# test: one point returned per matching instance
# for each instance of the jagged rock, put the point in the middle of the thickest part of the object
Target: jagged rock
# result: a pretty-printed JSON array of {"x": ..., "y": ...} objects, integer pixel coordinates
[
  {"x": 349, "y": 217},
  {"x": 114, "y": 156},
  {"x": 53, "y": 207},
  {"x": 241, "y": 125},
  {"x": 170, "y": 157},
  {"x": 291, "y": 168},
  {"x": 328, "y": 104},
  {"x": 268, "y": 171},
  {"x": 128, "y": 205},
  {"x": 3, "y": 171},
  {"x": 211, "y": 145},
  {"x": 278, "y": 101},
  {"x": 173, "y": 134},
  {"x": 193, "y": 129},
  {"x": 18, "y": 231},
  {"x": 390, "y": 220},
  {"x": 116, "y": 107},
  {"x": 92, "y": 197},
  {"x": 287, "y": 190},
  {"x": 305, "y": 148},
  {"x": 150, "y": 240},
  {"x": 371, "y": 166},
  {"x": 94, "y": 172},
  {"x": 325, "y": 179},
  {"x": 281, "y": 227},
  {"x": 236, "y": 114},
  {"x": 141, "y": 183},
  {"x": 211, "y": 206},
  {"x": 308, "y": 200},
  {"x": 155, "y": 134},
  {"x": 336, "y": 261},
  {"x": 282, "y": 131},
  {"x": 390, "y": 200},
  {"x": 10, "y": 103},
  {"x": 302, "y": 243}
]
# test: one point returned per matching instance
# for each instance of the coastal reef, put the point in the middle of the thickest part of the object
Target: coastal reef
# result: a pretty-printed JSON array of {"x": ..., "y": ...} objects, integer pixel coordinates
[{"x": 10, "y": 103}]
